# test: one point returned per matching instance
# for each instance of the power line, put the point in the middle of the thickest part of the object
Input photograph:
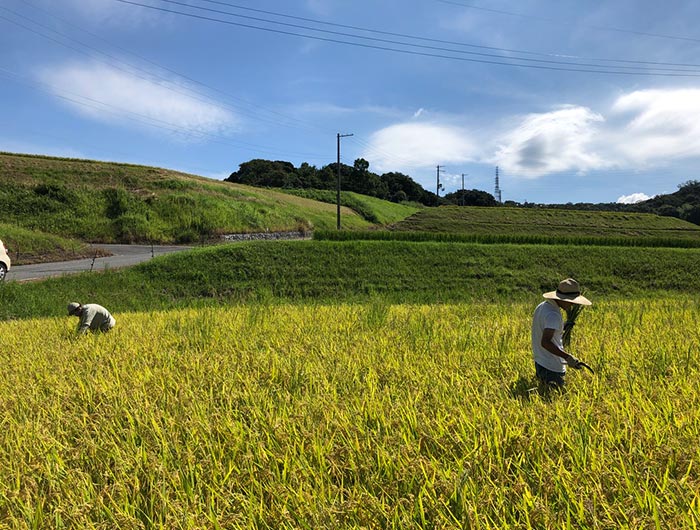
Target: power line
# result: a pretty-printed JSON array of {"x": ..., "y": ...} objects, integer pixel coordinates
[
  {"x": 151, "y": 121},
  {"x": 644, "y": 69},
  {"x": 442, "y": 41},
  {"x": 147, "y": 120},
  {"x": 380, "y": 152},
  {"x": 180, "y": 74},
  {"x": 550, "y": 20},
  {"x": 601, "y": 70},
  {"x": 168, "y": 84}
]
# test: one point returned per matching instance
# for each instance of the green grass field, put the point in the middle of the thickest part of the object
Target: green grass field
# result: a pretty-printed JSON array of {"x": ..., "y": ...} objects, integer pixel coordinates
[
  {"x": 329, "y": 272},
  {"x": 370, "y": 208},
  {"x": 514, "y": 222},
  {"x": 543, "y": 238}
]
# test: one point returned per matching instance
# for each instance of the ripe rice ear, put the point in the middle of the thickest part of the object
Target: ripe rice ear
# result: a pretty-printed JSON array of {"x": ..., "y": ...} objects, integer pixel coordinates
[{"x": 571, "y": 316}]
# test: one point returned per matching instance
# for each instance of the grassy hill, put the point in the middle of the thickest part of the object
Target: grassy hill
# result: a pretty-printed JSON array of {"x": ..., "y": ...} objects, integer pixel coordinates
[
  {"x": 111, "y": 202},
  {"x": 527, "y": 221},
  {"x": 32, "y": 246},
  {"x": 372, "y": 209},
  {"x": 684, "y": 203},
  {"x": 394, "y": 271},
  {"x": 534, "y": 226}
]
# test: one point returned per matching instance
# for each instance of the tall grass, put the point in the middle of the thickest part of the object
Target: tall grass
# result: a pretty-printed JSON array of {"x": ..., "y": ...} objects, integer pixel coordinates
[
  {"x": 350, "y": 416},
  {"x": 514, "y": 239},
  {"x": 549, "y": 222},
  {"x": 31, "y": 246},
  {"x": 374, "y": 210},
  {"x": 329, "y": 271},
  {"x": 107, "y": 202}
]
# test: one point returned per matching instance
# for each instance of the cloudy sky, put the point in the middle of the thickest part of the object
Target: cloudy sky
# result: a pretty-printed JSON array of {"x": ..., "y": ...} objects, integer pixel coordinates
[{"x": 574, "y": 102}]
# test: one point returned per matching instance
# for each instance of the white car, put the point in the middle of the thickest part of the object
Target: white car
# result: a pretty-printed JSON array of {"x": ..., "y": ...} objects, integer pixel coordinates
[{"x": 4, "y": 261}]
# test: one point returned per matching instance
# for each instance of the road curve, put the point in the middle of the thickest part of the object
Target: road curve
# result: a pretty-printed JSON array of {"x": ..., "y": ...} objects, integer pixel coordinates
[{"x": 122, "y": 256}]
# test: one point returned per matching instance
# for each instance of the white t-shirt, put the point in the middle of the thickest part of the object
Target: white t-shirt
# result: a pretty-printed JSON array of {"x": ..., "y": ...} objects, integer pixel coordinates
[
  {"x": 95, "y": 317},
  {"x": 547, "y": 316}
]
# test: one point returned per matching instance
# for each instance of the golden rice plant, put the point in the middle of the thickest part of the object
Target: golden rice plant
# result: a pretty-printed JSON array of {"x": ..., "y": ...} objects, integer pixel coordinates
[
  {"x": 350, "y": 416},
  {"x": 572, "y": 315}
]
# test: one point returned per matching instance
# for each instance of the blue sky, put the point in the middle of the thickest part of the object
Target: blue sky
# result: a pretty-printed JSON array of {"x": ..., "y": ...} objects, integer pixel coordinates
[{"x": 574, "y": 102}]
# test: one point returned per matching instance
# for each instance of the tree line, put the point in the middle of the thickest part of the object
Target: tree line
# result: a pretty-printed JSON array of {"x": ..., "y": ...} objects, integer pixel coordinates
[
  {"x": 397, "y": 187},
  {"x": 683, "y": 204},
  {"x": 392, "y": 186}
]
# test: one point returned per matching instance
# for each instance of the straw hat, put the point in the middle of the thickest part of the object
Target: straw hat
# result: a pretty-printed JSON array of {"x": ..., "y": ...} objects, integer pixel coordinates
[
  {"x": 72, "y": 307},
  {"x": 568, "y": 291}
]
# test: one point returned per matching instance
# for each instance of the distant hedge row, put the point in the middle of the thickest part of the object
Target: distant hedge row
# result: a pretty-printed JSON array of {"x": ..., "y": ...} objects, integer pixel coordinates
[{"x": 517, "y": 239}]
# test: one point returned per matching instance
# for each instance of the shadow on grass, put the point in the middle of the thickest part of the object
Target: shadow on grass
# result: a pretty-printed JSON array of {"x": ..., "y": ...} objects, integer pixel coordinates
[{"x": 526, "y": 388}]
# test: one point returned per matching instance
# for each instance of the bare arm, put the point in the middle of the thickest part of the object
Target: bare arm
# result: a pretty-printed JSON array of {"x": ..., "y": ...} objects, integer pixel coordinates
[{"x": 548, "y": 344}]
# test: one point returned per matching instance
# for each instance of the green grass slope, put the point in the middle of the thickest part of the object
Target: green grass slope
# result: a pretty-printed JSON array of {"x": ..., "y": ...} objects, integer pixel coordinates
[
  {"x": 547, "y": 222},
  {"x": 31, "y": 246},
  {"x": 372, "y": 209},
  {"x": 110, "y": 202},
  {"x": 326, "y": 271}
]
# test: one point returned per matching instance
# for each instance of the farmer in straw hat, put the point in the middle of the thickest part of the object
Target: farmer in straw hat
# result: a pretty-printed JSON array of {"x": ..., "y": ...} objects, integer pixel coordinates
[
  {"x": 547, "y": 327},
  {"x": 92, "y": 316}
]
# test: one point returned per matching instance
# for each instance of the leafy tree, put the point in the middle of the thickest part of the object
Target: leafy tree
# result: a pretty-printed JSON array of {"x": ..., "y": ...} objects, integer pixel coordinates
[
  {"x": 471, "y": 198},
  {"x": 684, "y": 203},
  {"x": 397, "y": 182},
  {"x": 358, "y": 178},
  {"x": 260, "y": 172},
  {"x": 399, "y": 196},
  {"x": 667, "y": 210},
  {"x": 308, "y": 176},
  {"x": 328, "y": 176}
]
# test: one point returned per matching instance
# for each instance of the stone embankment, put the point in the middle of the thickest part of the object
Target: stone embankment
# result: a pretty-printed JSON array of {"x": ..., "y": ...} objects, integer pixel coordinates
[{"x": 254, "y": 236}]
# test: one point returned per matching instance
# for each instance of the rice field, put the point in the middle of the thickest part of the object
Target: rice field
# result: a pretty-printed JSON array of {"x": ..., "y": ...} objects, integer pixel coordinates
[
  {"x": 511, "y": 222},
  {"x": 351, "y": 416}
]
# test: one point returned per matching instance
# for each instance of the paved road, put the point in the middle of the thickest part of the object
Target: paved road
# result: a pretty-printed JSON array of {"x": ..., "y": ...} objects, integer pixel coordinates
[{"x": 123, "y": 256}]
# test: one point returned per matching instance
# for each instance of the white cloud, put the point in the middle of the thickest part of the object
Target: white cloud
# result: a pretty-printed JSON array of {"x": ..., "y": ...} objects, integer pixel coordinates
[
  {"x": 633, "y": 198},
  {"x": 661, "y": 125},
  {"x": 326, "y": 109},
  {"x": 644, "y": 129},
  {"x": 111, "y": 95},
  {"x": 419, "y": 145},
  {"x": 560, "y": 140}
]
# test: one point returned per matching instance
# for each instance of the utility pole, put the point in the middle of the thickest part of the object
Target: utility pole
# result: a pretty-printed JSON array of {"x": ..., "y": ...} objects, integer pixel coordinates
[
  {"x": 439, "y": 186},
  {"x": 463, "y": 188},
  {"x": 338, "y": 193}
]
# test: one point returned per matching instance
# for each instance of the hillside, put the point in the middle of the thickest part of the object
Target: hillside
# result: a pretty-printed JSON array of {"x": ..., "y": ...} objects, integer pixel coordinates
[
  {"x": 32, "y": 246},
  {"x": 106, "y": 202},
  {"x": 684, "y": 203},
  {"x": 372, "y": 209},
  {"x": 548, "y": 222}
]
